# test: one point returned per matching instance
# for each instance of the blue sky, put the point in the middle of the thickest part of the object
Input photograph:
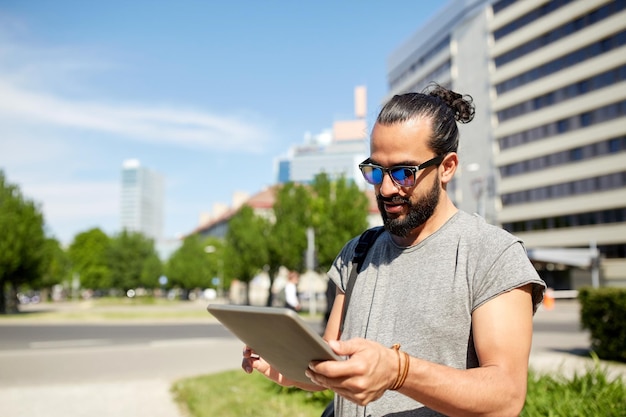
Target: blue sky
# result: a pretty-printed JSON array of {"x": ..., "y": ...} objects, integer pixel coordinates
[{"x": 208, "y": 93}]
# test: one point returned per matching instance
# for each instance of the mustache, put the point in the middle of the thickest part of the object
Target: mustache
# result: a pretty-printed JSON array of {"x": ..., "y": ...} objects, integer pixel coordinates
[{"x": 396, "y": 199}]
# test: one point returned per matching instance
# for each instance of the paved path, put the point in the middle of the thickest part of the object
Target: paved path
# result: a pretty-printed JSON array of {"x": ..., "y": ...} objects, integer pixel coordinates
[{"x": 553, "y": 350}]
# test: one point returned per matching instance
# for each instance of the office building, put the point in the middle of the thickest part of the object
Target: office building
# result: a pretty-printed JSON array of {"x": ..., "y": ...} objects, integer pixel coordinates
[
  {"x": 336, "y": 152},
  {"x": 142, "y": 200},
  {"x": 452, "y": 50},
  {"x": 550, "y": 79}
]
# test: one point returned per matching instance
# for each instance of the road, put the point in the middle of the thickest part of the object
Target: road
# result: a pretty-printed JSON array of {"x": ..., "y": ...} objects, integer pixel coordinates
[
  {"x": 37, "y": 336},
  {"x": 106, "y": 370}
]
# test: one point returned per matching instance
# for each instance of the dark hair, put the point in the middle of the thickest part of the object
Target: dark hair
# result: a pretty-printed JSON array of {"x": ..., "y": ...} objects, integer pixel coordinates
[{"x": 442, "y": 106}]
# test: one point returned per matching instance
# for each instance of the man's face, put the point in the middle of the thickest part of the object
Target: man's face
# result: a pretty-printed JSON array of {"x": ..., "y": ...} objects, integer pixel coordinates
[
  {"x": 405, "y": 209},
  {"x": 418, "y": 210}
]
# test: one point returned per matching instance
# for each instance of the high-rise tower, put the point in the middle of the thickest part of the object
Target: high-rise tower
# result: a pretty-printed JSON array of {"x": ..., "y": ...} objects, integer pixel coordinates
[{"x": 141, "y": 200}]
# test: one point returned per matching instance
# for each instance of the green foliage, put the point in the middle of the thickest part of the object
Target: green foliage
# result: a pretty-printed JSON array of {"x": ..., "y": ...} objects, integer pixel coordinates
[
  {"x": 22, "y": 242},
  {"x": 603, "y": 313},
  {"x": 191, "y": 266},
  {"x": 591, "y": 394},
  {"x": 58, "y": 266},
  {"x": 339, "y": 213},
  {"x": 247, "y": 244},
  {"x": 287, "y": 240},
  {"x": 128, "y": 256},
  {"x": 89, "y": 255}
]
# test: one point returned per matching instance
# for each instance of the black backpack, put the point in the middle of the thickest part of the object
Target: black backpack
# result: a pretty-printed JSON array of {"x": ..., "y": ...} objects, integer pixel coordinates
[{"x": 366, "y": 240}]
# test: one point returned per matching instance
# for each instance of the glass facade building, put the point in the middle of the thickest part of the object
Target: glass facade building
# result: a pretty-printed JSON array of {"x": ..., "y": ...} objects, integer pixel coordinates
[{"x": 141, "y": 200}]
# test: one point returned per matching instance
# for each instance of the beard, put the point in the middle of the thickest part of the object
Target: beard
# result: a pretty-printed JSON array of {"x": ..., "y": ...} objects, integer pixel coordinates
[{"x": 418, "y": 213}]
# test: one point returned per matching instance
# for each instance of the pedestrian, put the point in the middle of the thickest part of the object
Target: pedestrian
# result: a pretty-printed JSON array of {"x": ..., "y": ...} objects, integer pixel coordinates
[
  {"x": 292, "y": 300},
  {"x": 440, "y": 319}
]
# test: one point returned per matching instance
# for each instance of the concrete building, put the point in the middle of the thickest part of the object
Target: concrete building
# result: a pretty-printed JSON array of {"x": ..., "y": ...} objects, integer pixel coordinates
[
  {"x": 336, "y": 152},
  {"x": 544, "y": 157},
  {"x": 452, "y": 49},
  {"x": 141, "y": 200}
]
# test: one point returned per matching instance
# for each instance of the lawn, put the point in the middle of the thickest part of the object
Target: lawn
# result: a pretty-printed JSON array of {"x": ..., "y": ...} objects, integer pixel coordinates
[{"x": 236, "y": 394}]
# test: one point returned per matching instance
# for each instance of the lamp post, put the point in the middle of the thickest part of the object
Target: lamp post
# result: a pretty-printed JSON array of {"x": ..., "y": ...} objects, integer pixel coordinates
[{"x": 210, "y": 249}]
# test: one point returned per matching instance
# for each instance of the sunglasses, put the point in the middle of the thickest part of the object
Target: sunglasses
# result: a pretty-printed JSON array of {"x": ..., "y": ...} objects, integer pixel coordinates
[{"x": 402, "y": 175}]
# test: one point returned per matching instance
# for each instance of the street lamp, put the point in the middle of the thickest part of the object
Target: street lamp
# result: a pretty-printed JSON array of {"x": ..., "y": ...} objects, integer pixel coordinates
[{"x": 220, "y": 265}]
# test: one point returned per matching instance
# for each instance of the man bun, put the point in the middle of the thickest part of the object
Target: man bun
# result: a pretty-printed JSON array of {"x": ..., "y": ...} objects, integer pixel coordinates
[{"x": 461, "y": 105}]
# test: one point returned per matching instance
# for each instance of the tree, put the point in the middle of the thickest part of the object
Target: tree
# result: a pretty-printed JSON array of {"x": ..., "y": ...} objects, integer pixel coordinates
[
  {"x": 128, "y": 256},
  {"x": 287, "y": 239},
  {"x": 89, "y": 255},
  {"x": 193, "y": 265},
  {"x": 22, "y": 243},
  {"x": 247, "y": 245},
  {"x": 58, "y": 268},
  {"x": 339, "y": 213}
]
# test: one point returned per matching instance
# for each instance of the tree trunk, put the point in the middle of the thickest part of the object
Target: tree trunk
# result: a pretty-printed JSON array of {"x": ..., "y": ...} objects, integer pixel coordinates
[
  {"x": 11, "y": 300},
  {"x": 270, "y": 294},
  {"x": 3, "y": 299}
]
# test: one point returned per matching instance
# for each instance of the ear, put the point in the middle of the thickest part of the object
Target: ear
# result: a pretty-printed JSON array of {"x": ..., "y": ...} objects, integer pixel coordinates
[{"x": 448, "y": 166}]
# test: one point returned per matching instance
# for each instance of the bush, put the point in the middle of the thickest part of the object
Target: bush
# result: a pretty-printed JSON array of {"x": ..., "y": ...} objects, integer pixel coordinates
[{"x": 603, "y": 313}]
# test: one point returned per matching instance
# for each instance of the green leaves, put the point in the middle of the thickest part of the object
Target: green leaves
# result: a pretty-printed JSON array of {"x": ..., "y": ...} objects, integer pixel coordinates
[{"x": 22, "y": 240}]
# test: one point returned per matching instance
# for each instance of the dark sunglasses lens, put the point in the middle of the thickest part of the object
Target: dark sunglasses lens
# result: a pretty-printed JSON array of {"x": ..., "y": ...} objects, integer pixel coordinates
[
  {"x": 402, "y": 176},
  {"x": 372, "y": 174}
]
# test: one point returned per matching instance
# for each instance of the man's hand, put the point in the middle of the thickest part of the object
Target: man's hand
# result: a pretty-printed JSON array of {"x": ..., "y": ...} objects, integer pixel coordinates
[
  {"x": 369, "y": 371},
  {"x": 252, "y": 361}
]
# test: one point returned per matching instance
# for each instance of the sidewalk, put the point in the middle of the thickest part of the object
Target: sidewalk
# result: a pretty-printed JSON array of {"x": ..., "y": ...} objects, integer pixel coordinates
[{"x": 564, "y": 349}]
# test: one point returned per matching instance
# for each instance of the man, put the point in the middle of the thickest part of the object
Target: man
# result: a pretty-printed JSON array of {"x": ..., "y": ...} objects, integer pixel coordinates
[
  {"x": 453, "y": 295},
  {"x": 291, "y": 291}
]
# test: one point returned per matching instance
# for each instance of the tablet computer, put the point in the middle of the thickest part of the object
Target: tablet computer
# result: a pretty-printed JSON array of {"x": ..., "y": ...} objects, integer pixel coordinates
[{"x": 278, "y": 335}]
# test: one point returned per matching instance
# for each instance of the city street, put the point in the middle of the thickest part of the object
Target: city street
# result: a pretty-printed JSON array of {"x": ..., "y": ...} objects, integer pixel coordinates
[{"x": 126, "y": 370}]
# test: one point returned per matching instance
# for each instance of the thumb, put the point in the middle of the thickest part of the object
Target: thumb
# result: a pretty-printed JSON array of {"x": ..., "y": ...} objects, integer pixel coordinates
[{"x": 343, "y": 348}]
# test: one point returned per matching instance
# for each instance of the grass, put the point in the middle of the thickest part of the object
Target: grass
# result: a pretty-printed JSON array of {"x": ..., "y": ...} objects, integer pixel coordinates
[
  {"x": 236, "y": 394},
  {"x": 591, "y": 394}
]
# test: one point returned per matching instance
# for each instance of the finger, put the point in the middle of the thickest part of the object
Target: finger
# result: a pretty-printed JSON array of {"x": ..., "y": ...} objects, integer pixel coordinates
[
  {"x": 249, "y": 353},
  {"x": 246, "y": 365}
]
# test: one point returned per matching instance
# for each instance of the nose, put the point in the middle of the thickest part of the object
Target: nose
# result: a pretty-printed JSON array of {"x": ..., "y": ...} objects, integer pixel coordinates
[{"x": 388, "y": 186}]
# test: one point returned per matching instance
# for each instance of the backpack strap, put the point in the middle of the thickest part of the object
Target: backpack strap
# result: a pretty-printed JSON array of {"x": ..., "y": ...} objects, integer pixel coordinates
[{"x": 365, "y": 242}]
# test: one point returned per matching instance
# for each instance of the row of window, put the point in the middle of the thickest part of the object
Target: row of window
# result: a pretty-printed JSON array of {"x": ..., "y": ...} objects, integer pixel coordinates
[
  {"x": 562, "y": 31},
  {"x": 439, "y": 73},
  {"x": 588, "y": 52},
  {"x": 559, "y": 127},
  {"x": 396, "y": 80},
  {"x": 612, "y": 251},
  {"x": 501, "y": 5},
  {"x": 605, "y": 79},
  {"x": 566, "y": 189},
  {"x": 528, "y": 18},
  {"x": 568, "y": 220},
  {"x": 610, "y": 146}
]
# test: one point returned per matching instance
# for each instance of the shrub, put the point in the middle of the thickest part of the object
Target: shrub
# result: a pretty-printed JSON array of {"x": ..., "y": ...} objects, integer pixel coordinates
[{"x": 603, "y": 313}]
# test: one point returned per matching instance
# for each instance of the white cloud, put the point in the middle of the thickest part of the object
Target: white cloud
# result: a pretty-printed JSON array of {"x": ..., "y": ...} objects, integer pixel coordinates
[
  {"x": 39, "y": 83},
  {"x": 161, "y": 125}
]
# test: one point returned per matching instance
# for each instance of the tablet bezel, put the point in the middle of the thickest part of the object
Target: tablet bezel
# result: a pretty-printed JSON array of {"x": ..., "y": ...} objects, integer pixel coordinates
[{"x": 277, "y": 334}]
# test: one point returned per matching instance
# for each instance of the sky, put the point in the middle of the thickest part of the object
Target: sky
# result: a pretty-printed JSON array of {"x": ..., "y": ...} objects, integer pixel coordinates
[{"x": 207, "y": 93}]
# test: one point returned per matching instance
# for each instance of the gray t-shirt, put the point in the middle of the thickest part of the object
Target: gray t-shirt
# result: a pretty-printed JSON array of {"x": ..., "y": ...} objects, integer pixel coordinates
[{"x": 423, "y": 297}]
